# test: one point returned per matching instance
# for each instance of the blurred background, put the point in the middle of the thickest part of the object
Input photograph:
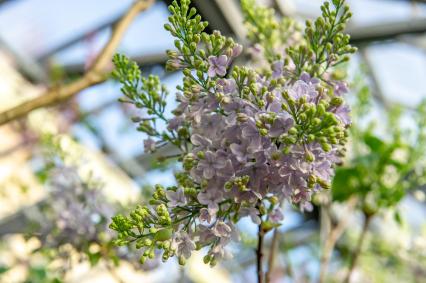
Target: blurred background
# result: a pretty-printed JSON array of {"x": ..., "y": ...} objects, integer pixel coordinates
[{"x": 47, "y": 43}]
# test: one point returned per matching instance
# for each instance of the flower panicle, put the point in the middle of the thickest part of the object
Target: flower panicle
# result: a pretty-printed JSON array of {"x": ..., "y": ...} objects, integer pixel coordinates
[{"x": 249, "y": 139}]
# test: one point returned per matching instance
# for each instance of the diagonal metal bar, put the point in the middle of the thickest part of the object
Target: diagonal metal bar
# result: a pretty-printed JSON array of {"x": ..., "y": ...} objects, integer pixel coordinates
[{"x": 384, "y": 31}]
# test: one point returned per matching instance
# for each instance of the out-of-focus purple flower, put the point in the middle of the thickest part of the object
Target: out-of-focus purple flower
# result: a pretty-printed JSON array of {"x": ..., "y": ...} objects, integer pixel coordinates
[
  {"x": 306, "y": 206},
  {"x": 277, "y": 69},
  {"x": 276, "y": 215},
  {"x": 308, "y": 79},
  {"x": 252, "y": 212},
  {"x": 343, "y": 113},
  {"x": 281, "y": 125},
  {"x": 217, "y": 66},
  {"x": 149, "y": 145},
  {"x": 211, "y": 198},
  {"x": 237, "y": 50},
  {"x": 205, "y": 215},
  {"x": 183, "y": 244},
  {"x": 226, "y": 86},
  {"x": 210, "y": 164},
  {"x": 301, "y": 89},
  {"x": 340, "y": 88},
  {"x": 221, "y": 230},
  {"x": 176, "y": 198}
]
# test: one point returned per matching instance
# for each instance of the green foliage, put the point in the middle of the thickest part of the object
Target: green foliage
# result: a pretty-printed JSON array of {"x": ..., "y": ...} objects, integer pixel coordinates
[
  {"x": 383, "y": 167},
  {"x": 3, "y": 269},
  {"x": 40, "y": 274}
]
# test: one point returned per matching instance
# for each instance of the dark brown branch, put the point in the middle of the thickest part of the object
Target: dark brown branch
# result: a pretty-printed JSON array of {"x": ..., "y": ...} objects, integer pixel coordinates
[
  {"x": 96, "y": 74},
  {"x": 259, "y": 255},
  {"x": 358, "y": 248}
]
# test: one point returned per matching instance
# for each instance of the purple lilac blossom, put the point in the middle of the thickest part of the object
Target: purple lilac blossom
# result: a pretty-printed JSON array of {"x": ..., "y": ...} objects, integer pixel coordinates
[
  {"x": 234, "y": 165},
  {"x": 217, "y": 65},
  {"x": 232, "y": 147}
]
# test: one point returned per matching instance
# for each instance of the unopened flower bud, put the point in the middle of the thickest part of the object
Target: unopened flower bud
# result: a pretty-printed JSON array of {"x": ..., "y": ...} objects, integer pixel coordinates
[
  {"x": 182, "y": 260},
  {"x": 241, "y": 117}
]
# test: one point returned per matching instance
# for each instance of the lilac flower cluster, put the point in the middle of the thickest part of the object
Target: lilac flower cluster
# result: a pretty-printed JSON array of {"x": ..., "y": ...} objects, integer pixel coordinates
[
  {"x": 243, "y": 153},
  {"x": 75, "y": 217},
  {"x": 74, "y": 214},
  {"x": 249, "y": 140}
]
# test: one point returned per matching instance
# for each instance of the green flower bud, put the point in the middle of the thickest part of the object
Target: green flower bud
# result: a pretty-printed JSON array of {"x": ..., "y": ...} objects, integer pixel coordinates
[
  {"x": 163, "y": 235},
  {"x": 263, "y": 132},
  {"x": 213, "y": 262},
  {"x": 274, "y": 200},
  {"x": 182, "y": 260},
  {"x": 309, "y": 156},
  {"x": 336, "y": 101},
  {"x": 326, "y": 147},
  {"x": 201, "y": 154},
  {"x": 323, "y": 184},
  {"x": 316, "y": 121},
  {"x": 241, "y": 117},
  {"x": 292, "y": 131},
  {"x": 229, "y": 185},
  {"x": 206, "y": 259}
]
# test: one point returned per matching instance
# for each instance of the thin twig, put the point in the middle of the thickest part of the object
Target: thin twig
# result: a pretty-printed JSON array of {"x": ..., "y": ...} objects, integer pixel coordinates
[
  {"x": 96, "y": 74},
  {"x": 114, "y": 274},
  {"x": 272, "y": 255},
  {"x": 358, "y": 248},
  {"x": 334, "y": 235},
  {"x": 259, "y": 254}
]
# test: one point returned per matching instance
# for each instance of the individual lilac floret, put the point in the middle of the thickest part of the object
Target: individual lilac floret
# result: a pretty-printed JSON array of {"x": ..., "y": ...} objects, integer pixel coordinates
[
  {"x": 149, "y": 145},
  {"x": 176, "y": 198},
  {"x": 218, "y": 66},
  {"x": 183, "y": 244}
]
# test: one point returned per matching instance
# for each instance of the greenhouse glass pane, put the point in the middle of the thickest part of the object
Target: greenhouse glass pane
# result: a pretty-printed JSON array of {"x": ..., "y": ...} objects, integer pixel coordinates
[
  {"x": 27, "y": 24},
  {"x": 146, "y": 36}
]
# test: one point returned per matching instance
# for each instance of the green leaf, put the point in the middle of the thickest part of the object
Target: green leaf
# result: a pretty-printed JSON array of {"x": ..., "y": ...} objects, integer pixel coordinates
[
  {"x": 374, "y": 143},
  {"x": 345, "y": 184},
  {"x": 397, "y": 217},
  {"x": 3, "y": 269},
  {"x": 94, "y": 258}
]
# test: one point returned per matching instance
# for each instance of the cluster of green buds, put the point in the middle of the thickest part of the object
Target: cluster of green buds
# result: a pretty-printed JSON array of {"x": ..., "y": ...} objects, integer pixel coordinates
[
  {"x": 313, "y": 122},
  {"x": 266, "y": 30},
  {"x": 144, "y": 93},
  {"x": 245, "y": 79},
  {"x": 238, "y": 182},
  {"x": 189, "y": 161},
  {"x": 150, "y": 230},
  {"x": 324, "y": 44},
  {"x": 194, "y": 47}
]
